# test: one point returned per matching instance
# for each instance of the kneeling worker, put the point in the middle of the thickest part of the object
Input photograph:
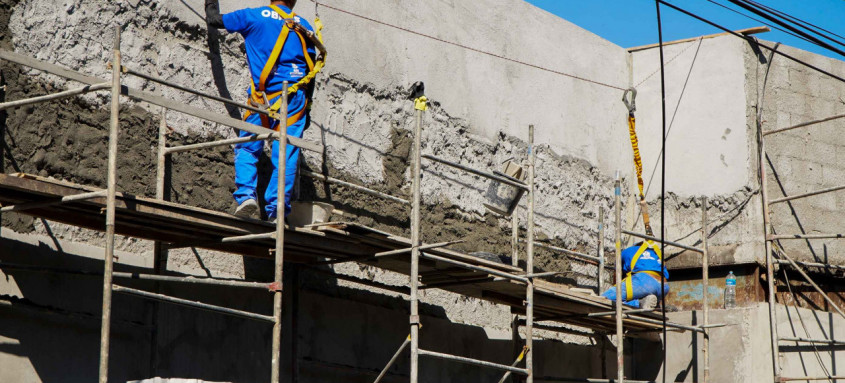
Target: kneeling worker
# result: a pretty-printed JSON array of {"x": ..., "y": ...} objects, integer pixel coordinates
[{"x": 642, "y": 264}]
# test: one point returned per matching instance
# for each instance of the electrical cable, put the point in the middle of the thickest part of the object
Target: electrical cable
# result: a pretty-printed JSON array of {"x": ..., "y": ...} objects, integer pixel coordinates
[
  {"x": 805, "y": 24},
  {"x": 760, "y": 21},
  {"x": 545, "y": 69},
  {"x": 663, "y": 187},
  {"x": 752, "y": 41}
]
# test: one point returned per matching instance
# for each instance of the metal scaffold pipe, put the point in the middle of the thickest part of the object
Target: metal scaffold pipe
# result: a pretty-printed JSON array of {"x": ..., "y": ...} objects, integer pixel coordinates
[
  {"x": 55, "y": 96},
  {"x": 418, "y": 93},
  {"x": 110, "y": 207},
  {"x": 529, "y": 259},
  {"x": 282, "y": 139},
  {"x": 705, "y": 278},
  {"x": 620, "y": 356}
]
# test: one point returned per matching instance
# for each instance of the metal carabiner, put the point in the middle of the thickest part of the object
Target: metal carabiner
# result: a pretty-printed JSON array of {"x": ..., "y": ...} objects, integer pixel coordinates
[{"x": 632, "y": 106}]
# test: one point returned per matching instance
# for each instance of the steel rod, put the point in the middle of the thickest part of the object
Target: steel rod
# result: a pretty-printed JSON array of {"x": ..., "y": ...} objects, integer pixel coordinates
[
  {"x": 282, "y": 139},
  {"x": 55, "y": 96},
  {"x": 812, "y": 283},
  {"x": 600, "y": 248},
  {"x": 40, "y": 204},
  {"x": 475, "y": 362},
  {"x": 514, "y": 364},
  {"x": 671, "y": 243},
  {"x": 350, "y": 185},
  {"x": 228, "y": 141},
  {"x": 390, "y": 363},
  {"x": 414, "y": 318},
  {"x": 776, "y": 237},
  {"x": 105, "y": 328},
  {"x": 803, "y": 124},
  {"x": 808, "y": 340},
  {"x": 224, "y": 100},
  {"x": 477, "y": 172},
  {"x": 194, "y": 304},
  {"x": 529, "y": 259},
  {"x": 810, "y": 264},
  {"x": 705, "y": 280},
  {"x": 620, "y": 347},
  {"x": 810, "y": 194}
]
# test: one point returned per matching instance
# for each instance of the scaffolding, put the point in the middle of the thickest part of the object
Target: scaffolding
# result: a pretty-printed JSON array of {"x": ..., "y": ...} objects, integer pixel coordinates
[{"x": 591, "y": 313}]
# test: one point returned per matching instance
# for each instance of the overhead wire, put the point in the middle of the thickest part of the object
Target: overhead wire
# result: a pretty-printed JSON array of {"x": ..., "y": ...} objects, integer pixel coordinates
[
  {"x": 476, "y": 50},
  {"x": 663, "y": 187},
  {"x": 768, "y": 24},
  {"x": 805, "y": 24}
]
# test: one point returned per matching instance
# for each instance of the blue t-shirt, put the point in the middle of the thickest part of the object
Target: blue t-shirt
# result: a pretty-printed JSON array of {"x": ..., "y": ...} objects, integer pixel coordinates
[
  {"x": 260, "y": 28},
  {"x": 647, "y": 261}
]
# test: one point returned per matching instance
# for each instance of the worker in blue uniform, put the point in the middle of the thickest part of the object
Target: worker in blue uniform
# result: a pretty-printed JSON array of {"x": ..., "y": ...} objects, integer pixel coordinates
[
  {"x": 643, "y": 266},
  {"x": 276, "y": 51}
]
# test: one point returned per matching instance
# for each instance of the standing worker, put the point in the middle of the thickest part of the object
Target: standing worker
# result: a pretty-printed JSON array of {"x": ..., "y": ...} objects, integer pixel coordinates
[
  {"x": 279, "y": 47},
  {"x": 643, "y": 266}
]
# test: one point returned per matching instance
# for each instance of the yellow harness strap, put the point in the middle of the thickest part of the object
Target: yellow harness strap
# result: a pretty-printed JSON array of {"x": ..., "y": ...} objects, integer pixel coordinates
[
  {"x": 638, "y": 161},
  {"x": 629, "y": 289}
]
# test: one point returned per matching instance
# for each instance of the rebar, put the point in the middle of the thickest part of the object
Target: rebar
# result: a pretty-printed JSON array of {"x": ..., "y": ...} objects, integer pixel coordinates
[{"x": 105, "y": 328}]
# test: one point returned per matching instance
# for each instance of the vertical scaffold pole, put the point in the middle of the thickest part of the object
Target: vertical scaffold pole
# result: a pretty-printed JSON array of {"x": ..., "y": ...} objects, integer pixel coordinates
[
  {"x": 529, "y": 260},
  {"x": 278, "y": 282},
  {"x": 515, "y": 262},
  {"x": 159, "y": 251},
  {"x": 705, "y": 283},
  {"x": 110, "y": 202},
  {"x": 600, "y": 245},
  {"x": 414, "y": 320},
  {"x": 620, "y": 349},
  {"x": 767, "y": 245}
]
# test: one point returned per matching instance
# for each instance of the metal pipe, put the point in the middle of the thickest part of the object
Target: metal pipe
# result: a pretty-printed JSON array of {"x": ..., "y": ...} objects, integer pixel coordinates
[
  {"x": 105, "y": 327},
  {"x": 600, "y": 246},
  {"x": 568, "y": 252},
  {"x": 831, "y": 378},
  {"x": 414, "y": 318},
  {"x": 40, "y": 204},
  {"x": 620, "y": 348},
  {"x": 228, "y": 141},
  {"x": 411, "y": 249},
  {"x": 55, "y": 96},
  {"x": 475, "y": 267},
  {"x": 350, "y": 185},
  {"x": 810, "y": 194},
  {"x": 515, "y": 263},
  {"x": 776, "y": 237},
  {"x": 544, "y": 274},
  {"x": 250, "y": 237},
  {"x": 609, "y": 313},
  {"x": 282, "y": 139},
  {"x": 529, "y": 260},
  {"x": 671, "y": 243},
  {"x": 390, "y": 363},
  {"x": 477, "y": 172},
  {"x": 194, "y": 304},
  {"x": 475, "y": 362},
  {"x": 815, "y": 286},
  {"x": 590, "y": 380},
  {"x": 808, "y": 340},
  {"x": 224, "y": 100},
  {"x": 515, "y": 362},
  {"x": 803, "y": 124},
  {"x": 161, "y": 157},
  {"x": 668, "y": 324},
  {"x": 562, "y": 330},
  {"x": 705, "y": 280},
  {"x": 810, "y": 264}
]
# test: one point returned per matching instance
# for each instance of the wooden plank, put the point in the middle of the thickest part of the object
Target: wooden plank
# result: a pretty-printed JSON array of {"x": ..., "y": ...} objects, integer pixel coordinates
[{"x": 746, "y": 31}]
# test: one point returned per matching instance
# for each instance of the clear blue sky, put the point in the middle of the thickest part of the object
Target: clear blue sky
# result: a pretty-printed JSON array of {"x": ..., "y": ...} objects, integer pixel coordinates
[{"x": 631, "y": 23}]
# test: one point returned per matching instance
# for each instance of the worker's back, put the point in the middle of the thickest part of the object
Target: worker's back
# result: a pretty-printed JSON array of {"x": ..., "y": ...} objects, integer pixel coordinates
[
  {"x": 647, "y": 261},
  {"x": 260, "y": 28}
]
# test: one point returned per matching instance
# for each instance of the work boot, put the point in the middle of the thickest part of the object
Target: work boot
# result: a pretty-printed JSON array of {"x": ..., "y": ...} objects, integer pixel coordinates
[
  {"x": 247, "y": 209},
  {"x": 649, "y": 302}
]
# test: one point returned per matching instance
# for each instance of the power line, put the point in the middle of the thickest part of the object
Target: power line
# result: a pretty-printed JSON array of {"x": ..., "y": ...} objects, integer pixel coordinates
[
  {"x": 760, "y": 21},
  {"x": 796, "y": 20},
  {"x": 545, "y": 69}
]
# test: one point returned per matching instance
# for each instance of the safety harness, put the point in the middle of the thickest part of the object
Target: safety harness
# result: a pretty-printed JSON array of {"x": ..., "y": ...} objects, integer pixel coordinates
[
  {"x": 638, "y": 161},
  {"x": 629, "y": 289},
  {"x": 258, "y": 97}
]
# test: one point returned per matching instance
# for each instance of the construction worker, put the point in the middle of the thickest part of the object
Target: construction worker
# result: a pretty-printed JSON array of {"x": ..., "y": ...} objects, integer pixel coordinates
[
  {"x": 276, "y": 52},
  {"x": 643, "y": 267}
]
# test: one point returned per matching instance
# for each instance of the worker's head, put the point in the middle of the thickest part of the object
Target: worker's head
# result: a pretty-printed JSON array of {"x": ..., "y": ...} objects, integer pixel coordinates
[{"x": 288, "y": 3}]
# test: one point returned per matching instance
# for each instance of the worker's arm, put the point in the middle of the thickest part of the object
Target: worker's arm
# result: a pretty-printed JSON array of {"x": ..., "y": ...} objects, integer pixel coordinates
[{"x": 212, "y": 14}]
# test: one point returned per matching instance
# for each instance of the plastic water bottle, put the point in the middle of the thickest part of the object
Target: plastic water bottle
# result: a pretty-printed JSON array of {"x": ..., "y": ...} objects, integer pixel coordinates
[{"x": 730, "y": 291}]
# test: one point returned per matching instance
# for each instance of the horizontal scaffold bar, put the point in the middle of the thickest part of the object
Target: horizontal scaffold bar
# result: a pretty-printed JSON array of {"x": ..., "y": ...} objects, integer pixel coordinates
[
  {"x": 670, "y": 243},
  {"x": 474, "y": 267},
  {"x": 40, "y": 204},
  {"x": 775, "y": 237},
  {"x": 476, "y": 362},
  {"x": 360, "y": 188},
  {"x": 212, "y": 144},
  {"x": 810, "y": 264},
  {"x": 54, "y": 96},
  {"x": 568, "y": 252},
  {"x": 807, "y": 340},
  {"x": 478, "y": 172},
  {"x": 587, "y": 380},
  {"x": 794, "y": 378},
  {"x": 803, "y": 124},
  {"x": 194, "y": 304},
  {"x": 810, "y": 194},
  {"x": 153, "y": 99}
]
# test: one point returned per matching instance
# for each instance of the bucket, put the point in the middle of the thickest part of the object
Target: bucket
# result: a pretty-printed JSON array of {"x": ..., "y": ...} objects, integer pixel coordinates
[
  {"x": 503, "y": 198},
  {"x": 308, "y": 213}
]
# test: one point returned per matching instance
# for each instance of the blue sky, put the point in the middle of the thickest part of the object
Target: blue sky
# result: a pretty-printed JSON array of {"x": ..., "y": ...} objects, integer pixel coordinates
[{"x": 631, "y": 23}]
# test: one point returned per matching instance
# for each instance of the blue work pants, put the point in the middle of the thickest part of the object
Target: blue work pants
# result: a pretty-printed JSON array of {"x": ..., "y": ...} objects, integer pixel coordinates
[
  {"x": 643, "y": 285},
  {"x": 246, "y": 159}
]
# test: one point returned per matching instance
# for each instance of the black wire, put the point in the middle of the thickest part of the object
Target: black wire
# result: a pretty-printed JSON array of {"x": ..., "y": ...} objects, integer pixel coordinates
[
  {"x": 763, "y": 14},
  {"x": 752, "y": 41},
  {"x": 761, "y": 21},
  {"x": 805, "y": 24},
  {"x": 662, "y": 187}
]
